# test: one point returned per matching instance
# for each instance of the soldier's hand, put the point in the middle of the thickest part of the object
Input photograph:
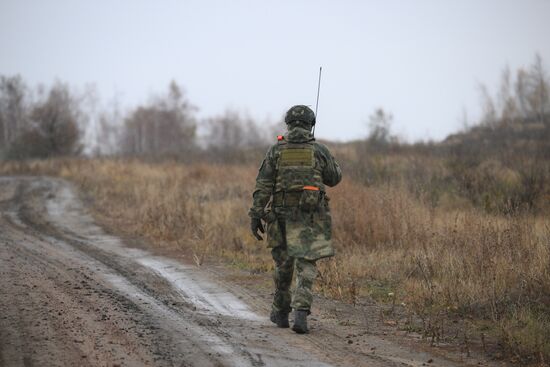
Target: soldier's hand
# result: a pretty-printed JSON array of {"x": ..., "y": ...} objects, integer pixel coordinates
[{"x": 256, "y": 225}]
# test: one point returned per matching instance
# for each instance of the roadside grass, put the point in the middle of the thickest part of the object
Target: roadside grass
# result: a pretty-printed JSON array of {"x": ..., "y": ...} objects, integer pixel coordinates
[{"x": 441, "y": 263}]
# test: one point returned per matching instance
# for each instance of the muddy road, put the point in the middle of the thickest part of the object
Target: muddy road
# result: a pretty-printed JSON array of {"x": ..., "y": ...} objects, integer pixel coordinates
[{"x": 73, "y": 295}]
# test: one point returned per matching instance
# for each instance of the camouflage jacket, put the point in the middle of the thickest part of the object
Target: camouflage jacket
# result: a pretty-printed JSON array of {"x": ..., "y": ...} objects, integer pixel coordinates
[{"x": 304, "y": 230}]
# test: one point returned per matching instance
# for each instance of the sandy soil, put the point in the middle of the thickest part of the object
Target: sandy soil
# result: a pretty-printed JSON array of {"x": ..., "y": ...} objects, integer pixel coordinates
[{"x": 72, "y": 294}]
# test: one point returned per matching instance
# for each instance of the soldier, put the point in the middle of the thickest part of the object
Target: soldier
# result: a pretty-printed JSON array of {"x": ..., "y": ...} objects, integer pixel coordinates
[{"x": 290, "y": 197}]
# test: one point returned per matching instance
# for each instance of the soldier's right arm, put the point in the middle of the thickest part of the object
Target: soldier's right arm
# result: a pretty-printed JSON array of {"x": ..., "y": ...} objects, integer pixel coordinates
[
  {"x": 264, "y": 184},
  {"x": 332, "y": 174}
]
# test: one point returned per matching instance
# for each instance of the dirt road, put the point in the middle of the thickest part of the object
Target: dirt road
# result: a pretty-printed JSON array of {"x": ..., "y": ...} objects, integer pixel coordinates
[{"x": 73, "y": 295}]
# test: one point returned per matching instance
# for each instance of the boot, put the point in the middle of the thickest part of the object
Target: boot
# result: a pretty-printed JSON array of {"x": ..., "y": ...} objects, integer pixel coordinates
[
  {"x": 279, "y": 318},
  {"x": 300, "y": 322}
]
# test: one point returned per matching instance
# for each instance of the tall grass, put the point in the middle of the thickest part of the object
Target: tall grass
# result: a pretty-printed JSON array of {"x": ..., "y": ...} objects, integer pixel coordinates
[{"x": 439, "y": 262}]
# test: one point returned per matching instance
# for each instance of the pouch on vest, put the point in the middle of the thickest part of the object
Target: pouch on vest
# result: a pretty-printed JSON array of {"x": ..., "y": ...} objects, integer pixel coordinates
[{"x": 310, "y": 199}]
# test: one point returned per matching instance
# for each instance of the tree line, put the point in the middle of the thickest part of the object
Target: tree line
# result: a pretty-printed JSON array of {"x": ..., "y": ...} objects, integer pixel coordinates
[
  {"x": 49, "y": 122},
  {"x": 57, "y": 121}
]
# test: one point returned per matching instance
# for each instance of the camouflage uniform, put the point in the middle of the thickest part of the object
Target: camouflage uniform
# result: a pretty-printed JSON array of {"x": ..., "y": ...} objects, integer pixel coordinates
[{"x": 290, "y": 197}]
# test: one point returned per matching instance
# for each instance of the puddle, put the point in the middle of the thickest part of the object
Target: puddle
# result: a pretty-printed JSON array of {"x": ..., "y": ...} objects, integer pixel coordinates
[{"x": 206, "y": 296}]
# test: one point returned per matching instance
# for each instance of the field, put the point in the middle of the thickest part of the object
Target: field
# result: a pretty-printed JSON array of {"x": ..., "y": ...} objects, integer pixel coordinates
[{"x": 444, "y": 264}]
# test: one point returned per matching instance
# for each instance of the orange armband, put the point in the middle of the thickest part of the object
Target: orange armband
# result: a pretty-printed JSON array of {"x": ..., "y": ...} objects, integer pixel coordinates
[{"x": 311, "y": 188}]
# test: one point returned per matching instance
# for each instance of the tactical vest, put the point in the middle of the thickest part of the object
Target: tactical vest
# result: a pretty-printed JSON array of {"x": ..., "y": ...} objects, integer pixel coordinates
[{"x": 296, "y": 170}]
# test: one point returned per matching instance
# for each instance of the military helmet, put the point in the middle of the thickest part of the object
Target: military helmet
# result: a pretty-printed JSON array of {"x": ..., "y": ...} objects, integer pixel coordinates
[{"x": 300, "y": 113}]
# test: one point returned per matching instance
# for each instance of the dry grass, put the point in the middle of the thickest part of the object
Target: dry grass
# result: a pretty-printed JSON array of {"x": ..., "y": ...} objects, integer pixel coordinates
[{"x": 441, "y": 263}]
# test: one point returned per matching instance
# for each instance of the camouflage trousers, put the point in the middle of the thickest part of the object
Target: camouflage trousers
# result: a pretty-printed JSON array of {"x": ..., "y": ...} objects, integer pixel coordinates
[{"x": 306, "y": 272}]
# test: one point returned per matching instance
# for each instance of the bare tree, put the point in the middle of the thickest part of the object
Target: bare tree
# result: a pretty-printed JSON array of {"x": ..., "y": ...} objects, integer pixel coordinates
[
  {"x": 533, "y": 91},
  {"x": 379, "y": 127},
  {"x": 539, "y": 98},
  {"x": 108, "y": 132},
  {"x": 12, "y": 109},
  {"x": 56, "y": 119},
  {"x": 506, "y": 99},
  {"x": 490, "y": 114},
  {"x": 232, "y": 131},
  {"x": 527, "y": 99},
  {"x": 164, "y": 127},
  {"x": 43, "y": 128}
]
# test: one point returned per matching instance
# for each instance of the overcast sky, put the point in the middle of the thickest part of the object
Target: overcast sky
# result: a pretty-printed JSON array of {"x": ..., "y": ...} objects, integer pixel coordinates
[{"x": 421, "y": 60}]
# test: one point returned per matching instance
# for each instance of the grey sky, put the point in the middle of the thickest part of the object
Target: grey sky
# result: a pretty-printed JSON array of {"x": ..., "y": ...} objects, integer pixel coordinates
[{"x": 420, "y": 60}]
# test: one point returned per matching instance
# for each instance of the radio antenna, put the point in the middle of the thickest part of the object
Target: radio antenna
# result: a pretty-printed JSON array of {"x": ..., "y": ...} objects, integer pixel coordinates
[{"x": 317, "y": 103}]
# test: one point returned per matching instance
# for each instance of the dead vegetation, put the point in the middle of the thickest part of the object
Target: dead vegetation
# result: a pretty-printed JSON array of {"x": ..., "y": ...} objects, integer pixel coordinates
[{"x": 489, "y": 273}]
